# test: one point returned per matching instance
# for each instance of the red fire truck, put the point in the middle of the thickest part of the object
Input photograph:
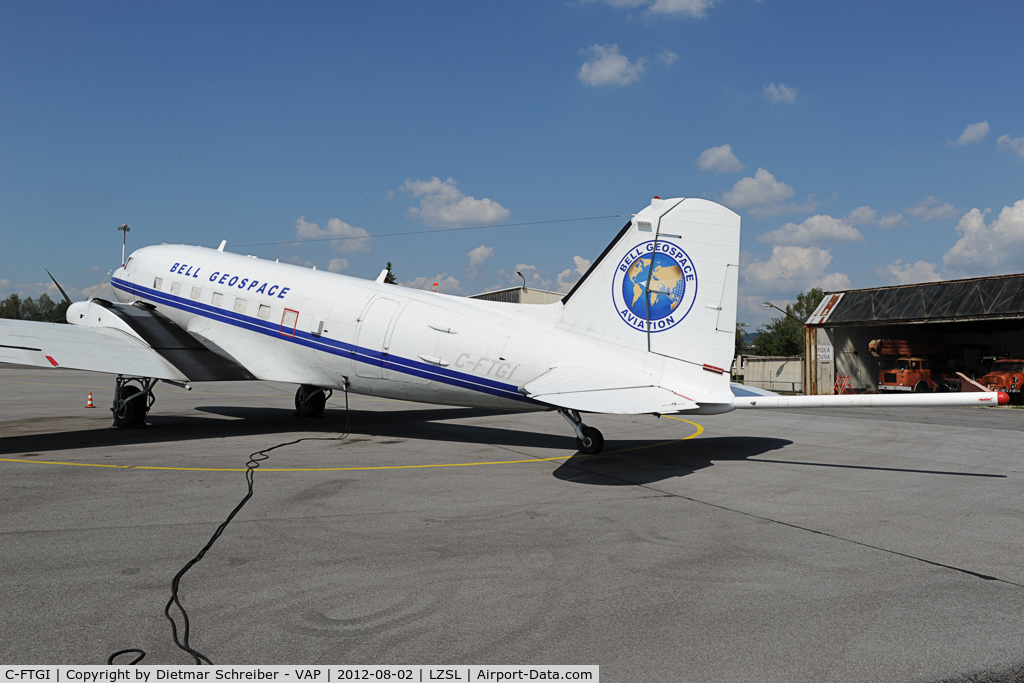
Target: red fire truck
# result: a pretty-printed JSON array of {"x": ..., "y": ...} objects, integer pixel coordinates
[{"x": 915, "y": 366}]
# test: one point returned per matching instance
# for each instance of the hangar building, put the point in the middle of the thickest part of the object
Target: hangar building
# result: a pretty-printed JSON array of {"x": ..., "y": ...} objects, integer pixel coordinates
[
  {"x": 521, "y": 295},
  {"x": 986, "y": 314}
]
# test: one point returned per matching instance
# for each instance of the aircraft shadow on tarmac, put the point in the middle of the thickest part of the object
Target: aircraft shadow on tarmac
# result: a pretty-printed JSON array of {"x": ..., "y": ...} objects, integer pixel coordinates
[
  {"x": 645, "y": 465},
  {"x": 640, "y": 465},
  {"x": 423, "y": 424},
  {"x": 623, "y": 463}
]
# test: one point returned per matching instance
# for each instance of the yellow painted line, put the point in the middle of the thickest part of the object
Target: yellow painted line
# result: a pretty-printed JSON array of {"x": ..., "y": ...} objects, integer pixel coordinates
[{"x": 698, "y": 432}]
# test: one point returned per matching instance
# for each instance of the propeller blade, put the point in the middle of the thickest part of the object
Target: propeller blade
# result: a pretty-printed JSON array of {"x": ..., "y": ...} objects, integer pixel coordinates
[
  {"x": 97, "y": 288},
  {"x": 62, "y": 292}
]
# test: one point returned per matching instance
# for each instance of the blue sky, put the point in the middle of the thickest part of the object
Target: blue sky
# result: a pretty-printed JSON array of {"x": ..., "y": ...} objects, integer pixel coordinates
[{"x": 863, "y": 143}]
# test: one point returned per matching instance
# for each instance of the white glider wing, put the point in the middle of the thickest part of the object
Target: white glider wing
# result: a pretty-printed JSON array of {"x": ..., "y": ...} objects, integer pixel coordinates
[
  {"x": 595, "y": 389},
  {"x": 109, "y": 350}
]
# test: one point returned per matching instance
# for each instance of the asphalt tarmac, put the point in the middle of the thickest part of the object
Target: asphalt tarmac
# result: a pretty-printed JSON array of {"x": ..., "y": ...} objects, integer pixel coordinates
[{"x": 862, "y": 545}]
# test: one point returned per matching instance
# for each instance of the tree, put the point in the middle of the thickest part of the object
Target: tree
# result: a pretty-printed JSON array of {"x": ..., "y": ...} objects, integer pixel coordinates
[
  {"x": 11, "y": 307},
  {"x": 43, "y": 309},
  {"x": 742, "y": 347},
  {"x": 390, "y": 278},
  {"x": 784, "y": 336}
]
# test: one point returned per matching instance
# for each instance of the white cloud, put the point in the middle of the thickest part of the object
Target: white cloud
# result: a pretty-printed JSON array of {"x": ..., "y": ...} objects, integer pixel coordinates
[
  {"x": 695, "y": 8},
  {"x": 298, "y": 261},
  {"x": 532, "y": 274},
  {"x": 780, "y": 93},
  {"x": 793, "y": 269},
  {"x": 891, "y": 219},
  {"x": 337, "y": 265},
  {"x": 931, "y": 209},
  {"x": 668, "y": 57},
  {"x": 350, "y": 238},
  {"x": 608, "y": 66},
  {"x": 975, "y": 132},
  {"x": 862, "y": 215},
  {"x": 989, "y": 248},
  {"x": 901, "y": 273},
  {"x": 819, "y": 229},
  {"x": 763, "y": 195},
  {"x": 477, "y": 261},
  {"x": 36, "y": 289},
  {"x": 446, "y": 284},
  {"x": 445, "y": 205},
  {"x": 570, "y": 276},
  {"x": 719, "y": 159},
  {"x": 1008, "y": 145}
]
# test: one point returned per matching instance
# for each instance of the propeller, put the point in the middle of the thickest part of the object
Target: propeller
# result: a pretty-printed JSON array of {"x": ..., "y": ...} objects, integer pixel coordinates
[
  {"x": 62, "y": 292},
  {"x": 97, "y": 288}
]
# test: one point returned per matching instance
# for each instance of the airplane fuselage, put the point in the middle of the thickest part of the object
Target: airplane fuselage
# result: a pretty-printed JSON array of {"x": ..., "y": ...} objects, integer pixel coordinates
[{"x": 290, "y": 323}]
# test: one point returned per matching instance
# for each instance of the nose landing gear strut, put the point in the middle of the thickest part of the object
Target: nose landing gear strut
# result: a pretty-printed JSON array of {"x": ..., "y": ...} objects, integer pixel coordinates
[{"x": 588, "y": 439}]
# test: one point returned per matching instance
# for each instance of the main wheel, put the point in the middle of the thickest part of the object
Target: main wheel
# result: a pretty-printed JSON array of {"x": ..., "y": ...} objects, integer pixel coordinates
[
  {"x": 134, "y": 411},
  {"x": 310, "y": 401},
  {"x": 593, "y": 443},
  {"x": 921, "y": 388}
]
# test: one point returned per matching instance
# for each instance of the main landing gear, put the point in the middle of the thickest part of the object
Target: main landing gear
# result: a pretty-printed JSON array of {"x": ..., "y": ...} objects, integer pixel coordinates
[
  {"x": 310, "y": 400},
  {"x": 132, "y": 403},
  {"x": 588, "y": 440}
]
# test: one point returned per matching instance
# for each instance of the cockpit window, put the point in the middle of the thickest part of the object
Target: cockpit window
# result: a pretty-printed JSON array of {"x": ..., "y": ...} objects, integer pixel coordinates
[{"x": 128, "y": 265}]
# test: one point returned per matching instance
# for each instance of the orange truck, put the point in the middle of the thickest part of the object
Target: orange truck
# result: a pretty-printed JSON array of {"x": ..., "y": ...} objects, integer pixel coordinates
[
  {"x": 1007, "y": 374},
  {"x": 914, "y": 366}
]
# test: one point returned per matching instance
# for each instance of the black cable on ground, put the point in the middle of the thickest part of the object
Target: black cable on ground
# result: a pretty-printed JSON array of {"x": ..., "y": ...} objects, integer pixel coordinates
[{"x": 250, "y": 467}]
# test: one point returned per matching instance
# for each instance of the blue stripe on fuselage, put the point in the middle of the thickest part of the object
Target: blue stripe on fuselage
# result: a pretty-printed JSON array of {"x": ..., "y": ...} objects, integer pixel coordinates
[{"x": 338, "y": 348}]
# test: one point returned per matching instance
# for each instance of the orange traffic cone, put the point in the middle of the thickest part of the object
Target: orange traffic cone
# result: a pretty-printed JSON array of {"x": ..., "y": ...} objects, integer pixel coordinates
[{"x": 89, "y": 402}]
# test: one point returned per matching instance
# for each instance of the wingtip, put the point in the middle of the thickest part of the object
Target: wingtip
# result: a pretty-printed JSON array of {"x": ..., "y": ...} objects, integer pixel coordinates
[{"x": 1004, "y": 398}]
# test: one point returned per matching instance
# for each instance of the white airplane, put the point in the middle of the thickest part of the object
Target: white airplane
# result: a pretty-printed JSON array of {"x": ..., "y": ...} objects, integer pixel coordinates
[{"x": 650, "y": 329}]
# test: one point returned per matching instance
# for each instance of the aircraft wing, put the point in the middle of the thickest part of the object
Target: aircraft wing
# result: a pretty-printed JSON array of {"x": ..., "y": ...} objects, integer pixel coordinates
[
  {"x": 53, "y": 345},
  {"x": 134, "y": 340},
  {"x": 596, "y": 389}
]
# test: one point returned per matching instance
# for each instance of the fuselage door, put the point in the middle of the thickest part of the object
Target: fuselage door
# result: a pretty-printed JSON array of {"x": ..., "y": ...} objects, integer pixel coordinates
[{"x": 372, "y": 338}]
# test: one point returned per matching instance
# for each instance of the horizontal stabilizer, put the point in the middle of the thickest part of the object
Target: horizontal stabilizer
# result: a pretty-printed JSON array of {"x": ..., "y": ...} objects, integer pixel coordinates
[
  {"x": 874, "y": 400},
  {"x": 745, "y": 391},
  {"x": 600, "y": 390}
]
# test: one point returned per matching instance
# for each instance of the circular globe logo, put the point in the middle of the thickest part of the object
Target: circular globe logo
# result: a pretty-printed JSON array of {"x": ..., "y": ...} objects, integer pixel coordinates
[{"x": 654, "y": 286}]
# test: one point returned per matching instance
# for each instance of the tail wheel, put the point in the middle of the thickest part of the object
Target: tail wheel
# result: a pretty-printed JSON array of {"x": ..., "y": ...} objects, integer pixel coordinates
[
  {"x": 593, "y": 442},
  {"x": 310, "y": 401},
  {"x": 921, "y": 388},
  {"x": 133, "y": 412}
]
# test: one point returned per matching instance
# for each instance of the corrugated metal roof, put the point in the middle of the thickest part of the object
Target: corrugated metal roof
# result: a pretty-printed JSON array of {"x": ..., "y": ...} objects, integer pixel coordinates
[{"x": 991, "y": 298}]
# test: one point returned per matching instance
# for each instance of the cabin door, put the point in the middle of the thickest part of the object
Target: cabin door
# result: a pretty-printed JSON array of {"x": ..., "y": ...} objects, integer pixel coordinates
[{"x": 372, "y": 339}]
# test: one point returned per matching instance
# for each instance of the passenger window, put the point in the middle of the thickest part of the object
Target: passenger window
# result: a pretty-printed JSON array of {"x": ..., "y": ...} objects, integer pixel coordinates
[
  {"x": 196, "y": 293},
  {"x": 217, "y": 298},
  {"x": 158, "y": 283},
  {"x": 175, "y": 287},
  {"x": 264, "y": 312},
  {"x": 239, "y": 305}
]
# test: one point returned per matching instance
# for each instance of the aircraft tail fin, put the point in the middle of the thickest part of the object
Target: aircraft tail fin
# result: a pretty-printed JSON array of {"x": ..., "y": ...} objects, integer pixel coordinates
[{"x": 667, "y": 285}]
